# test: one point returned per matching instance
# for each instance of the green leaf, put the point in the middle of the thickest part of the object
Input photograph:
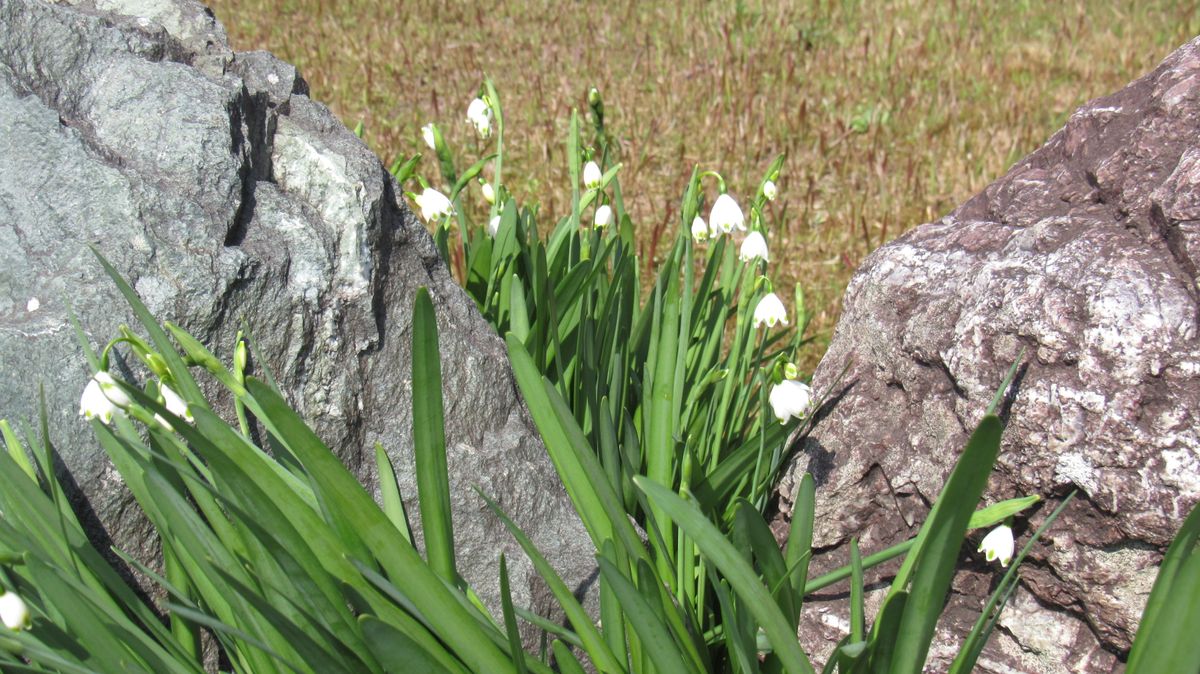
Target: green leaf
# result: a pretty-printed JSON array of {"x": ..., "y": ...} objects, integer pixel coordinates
[
  {"x": 389, "y": 489},
  {"x": 932, "y": 560},
  {"x": 666, "y": 655},
  {"x": 717, "y": 549},
  {"x": 576, "y": 463},
  {"x": 798, "y": 549},
  {"x": 592, "y": 640},
  {"x": 395, "y": 651},
  {"x": 510, "y": 619},
  {"x": 1166, "y": 638},
  {"x": 429, "y": 440},
  {"x": 360, "y": 523}
]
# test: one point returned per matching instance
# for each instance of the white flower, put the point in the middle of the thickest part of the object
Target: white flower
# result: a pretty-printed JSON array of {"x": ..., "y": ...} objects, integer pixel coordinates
[
  {"x": 699, "y": 229},
  {"x": 13, "y": 612},
  {"x": 429, "y": 136},
  {"x": 479, "y": 113},
  {"x": 998, "y": 544},
  {"x": 489, "y": 193},
  {"x": 33, "y": 304},
  {"x": 591, "y": 175},
  {"x": 603, "y": 216},
  {"x": 433, "y": 204},
  {"x": 769, "y": 190},
  {"x": 770, "y": 311},
  {"x": 754, "y": 248},
  {"x": 726, "y": 215},
  {"x": 493, "y": 225},
  {"x": 102, "y": 398},
  {"x": 174, "y": 404},
  {"x": 790, "y": 398}
]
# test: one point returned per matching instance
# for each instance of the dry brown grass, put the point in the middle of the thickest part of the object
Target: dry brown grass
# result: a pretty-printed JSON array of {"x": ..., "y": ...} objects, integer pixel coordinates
[{"x": 945, "y": 96}]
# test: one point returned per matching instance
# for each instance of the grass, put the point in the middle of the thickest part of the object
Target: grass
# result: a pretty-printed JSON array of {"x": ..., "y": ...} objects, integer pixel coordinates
[{"x": 891, "y": 113}]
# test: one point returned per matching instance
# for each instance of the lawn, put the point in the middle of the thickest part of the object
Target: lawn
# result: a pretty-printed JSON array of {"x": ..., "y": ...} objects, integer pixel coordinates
[{"x": 891, "y": 113}]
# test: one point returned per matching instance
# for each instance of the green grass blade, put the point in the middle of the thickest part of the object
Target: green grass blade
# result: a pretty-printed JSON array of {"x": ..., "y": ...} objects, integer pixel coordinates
[{"x": 717, "y": 549}]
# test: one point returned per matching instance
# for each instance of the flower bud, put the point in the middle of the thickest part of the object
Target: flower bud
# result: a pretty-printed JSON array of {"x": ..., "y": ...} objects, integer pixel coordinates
[
  {"x": 489, "y": 193},
  {"x": 493, "y": 225},
  {"x": 593, "y": 96},
  {"x": 591, "y": 175},
  {"x": 604, "y": 216},
  {"x": 769, "y": 190},
  {"x": 14, "y": 613},
  {"x": 479, "y": 114},
  {"x": 174, "y": 403},
  {"x": 699, "y": 229},
  {"x": 428, "y": 135}
]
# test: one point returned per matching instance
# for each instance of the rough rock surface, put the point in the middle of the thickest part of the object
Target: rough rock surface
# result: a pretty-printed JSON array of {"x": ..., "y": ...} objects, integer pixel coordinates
[
  {"x": 1084, "y": 256},
  {"x": 223, "y": 193}
]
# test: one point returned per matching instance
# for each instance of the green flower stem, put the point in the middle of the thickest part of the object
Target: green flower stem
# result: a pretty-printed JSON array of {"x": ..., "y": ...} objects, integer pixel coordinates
[
  {"x": 494, "y": 100},
  {"x": 822, "y": 582},
  {"x": 762, "y": 421}
]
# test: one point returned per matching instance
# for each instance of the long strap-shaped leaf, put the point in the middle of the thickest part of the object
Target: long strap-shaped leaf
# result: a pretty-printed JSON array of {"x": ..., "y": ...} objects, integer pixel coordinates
[
  {"x": 1166, "y": 639},
  {"x": 717, "y": 549},
  {"x": 932, "y": 559},
  {"x": 355, "y": 515},
  {"x": 429, "y": 440}
]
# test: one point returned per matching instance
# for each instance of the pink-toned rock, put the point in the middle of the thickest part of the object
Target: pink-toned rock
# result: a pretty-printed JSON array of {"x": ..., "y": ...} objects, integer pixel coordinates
[{"x": 1084, "y": 257}]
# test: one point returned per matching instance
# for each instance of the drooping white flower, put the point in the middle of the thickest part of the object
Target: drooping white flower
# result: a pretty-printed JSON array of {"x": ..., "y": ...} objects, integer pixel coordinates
[
  {"x": 998, "y": 544},
  {"x": 102, "y": 398},
  {"x": 428, "y": 135},
  {"x": 754, "y": 248},
  {"x": 493, "y": 225},
  {"x": 433, "y": 204},
  {"x": 699, "y": 229},
  {"x": 790, "y": 398},
  {"x": 174, "y": 403},
  {"x": 489, "y": 193},
  {"x": 769, "y": 190},
  {"x": 726, "y": 215},
  {"x": 479, "y": 113},
  {"x": 769, "y": 311},
  {"x": 33, "y": 304},
  {"x": 603, "y": 217},
  {"x": 591, "y": 175},
  {"x": 14, "y": 613}
]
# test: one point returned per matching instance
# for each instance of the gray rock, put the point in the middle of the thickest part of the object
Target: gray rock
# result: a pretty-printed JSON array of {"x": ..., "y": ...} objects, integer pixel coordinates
[
  {"x": 223, "y": 193},
  {"x": 1084, "y": 255}
]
